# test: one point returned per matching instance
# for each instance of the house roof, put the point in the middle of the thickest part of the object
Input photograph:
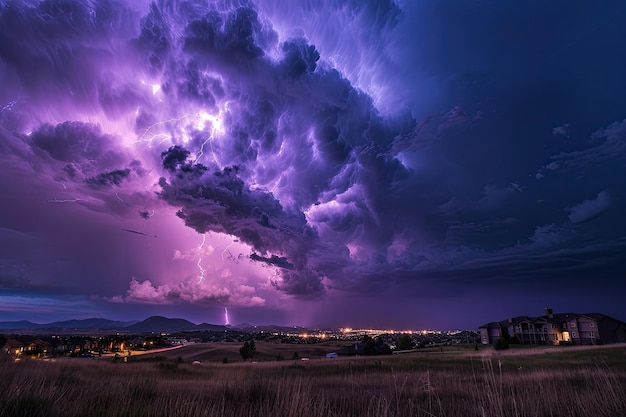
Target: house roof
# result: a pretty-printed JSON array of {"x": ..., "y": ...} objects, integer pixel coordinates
[
  {"x": 503, "y": 323},
  {"x": 556, "y": 318},
  {"x": 600, "y": 316},
  {"x": 13, "y": 344}
]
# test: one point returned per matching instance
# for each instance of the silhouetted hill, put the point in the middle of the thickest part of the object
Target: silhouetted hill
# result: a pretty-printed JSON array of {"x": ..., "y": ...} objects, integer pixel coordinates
[
  {"x": 94, "y": 323},
  {"x": 13, "y": 325},
  {"x": 154, "y": 324},
  {"x": 211, "y": 327},
  {"x": 162, "y": 324}
]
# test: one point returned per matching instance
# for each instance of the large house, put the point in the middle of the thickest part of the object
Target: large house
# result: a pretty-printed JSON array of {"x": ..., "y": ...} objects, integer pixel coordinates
[{"x": 554, "y": 329}]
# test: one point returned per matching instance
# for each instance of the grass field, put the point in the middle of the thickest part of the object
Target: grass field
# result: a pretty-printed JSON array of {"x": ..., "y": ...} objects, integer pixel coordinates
[
  {"x": 267, "y": 351},
  {"x": 453, "y": 382}
]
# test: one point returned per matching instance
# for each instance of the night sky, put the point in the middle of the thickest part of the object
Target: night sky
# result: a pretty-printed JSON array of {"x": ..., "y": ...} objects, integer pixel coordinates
[{"x": 408, "y": 164}]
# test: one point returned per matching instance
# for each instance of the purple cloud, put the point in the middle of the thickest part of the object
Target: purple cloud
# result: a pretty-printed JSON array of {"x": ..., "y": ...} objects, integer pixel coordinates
[
  {"x": 244, "y": 153},
  {"x": 589, "y": 209}
]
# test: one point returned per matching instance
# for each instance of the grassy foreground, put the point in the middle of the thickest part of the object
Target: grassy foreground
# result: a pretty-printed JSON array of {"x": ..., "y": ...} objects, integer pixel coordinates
[{"x": 589, "y": 382}]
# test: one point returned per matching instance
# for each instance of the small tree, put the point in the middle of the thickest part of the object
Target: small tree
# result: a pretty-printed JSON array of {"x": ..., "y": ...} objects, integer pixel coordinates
[
  {"x": 248, "y": 350},
  {"x": 405, "y": 342}
]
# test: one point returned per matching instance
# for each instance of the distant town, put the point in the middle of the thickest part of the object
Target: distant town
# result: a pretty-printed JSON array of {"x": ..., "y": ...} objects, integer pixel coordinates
[{"x": 100, "y": 338}]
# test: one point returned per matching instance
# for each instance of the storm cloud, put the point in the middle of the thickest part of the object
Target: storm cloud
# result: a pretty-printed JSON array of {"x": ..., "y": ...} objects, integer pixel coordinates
[{"x": 309, "y": 151}]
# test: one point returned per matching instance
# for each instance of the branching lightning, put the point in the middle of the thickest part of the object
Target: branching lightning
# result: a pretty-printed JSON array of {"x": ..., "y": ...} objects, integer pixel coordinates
[
  {"x": 201, "y": 150},
  {"x": 226, "y": 249},
  {"x": 202, "y": 271},
  {"x": 160, "y": 123},
  {"x": 199, "y": 119}
]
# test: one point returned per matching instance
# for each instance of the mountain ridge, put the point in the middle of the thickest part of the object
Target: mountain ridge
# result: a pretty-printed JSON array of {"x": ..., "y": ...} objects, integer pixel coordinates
[{"x": 152, "y": 324}]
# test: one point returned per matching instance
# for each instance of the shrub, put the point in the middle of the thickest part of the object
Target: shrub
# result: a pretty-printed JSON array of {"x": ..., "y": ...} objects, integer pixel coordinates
[{"x": 501, "y": 344}]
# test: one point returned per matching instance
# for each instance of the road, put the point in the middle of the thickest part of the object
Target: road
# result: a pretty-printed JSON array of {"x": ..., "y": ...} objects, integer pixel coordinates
[{"x": 139, "y": 352}]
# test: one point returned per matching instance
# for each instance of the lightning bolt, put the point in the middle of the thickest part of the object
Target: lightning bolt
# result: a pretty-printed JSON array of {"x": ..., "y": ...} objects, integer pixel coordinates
[
  {"x": 226, "y": 320},
  {"x": 142, "y": 138},
  {"x": 202, "y": 271},
  {"x": 198, "y": 115},
  {"x": 201, "y": 150},
  {"x": 118, "y": 197},
  {"x": 226, "y": 250}
]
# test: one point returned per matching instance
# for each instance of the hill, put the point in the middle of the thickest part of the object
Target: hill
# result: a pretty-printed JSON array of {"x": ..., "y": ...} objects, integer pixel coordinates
[
  {"x": 17, "y": 325},
  {"x": 84, "y": 324},
  {"x": 162, "y": 324}
]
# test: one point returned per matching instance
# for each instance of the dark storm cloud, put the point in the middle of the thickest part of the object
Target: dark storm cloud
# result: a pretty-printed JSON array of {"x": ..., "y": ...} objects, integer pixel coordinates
[
  {"x": 220, "y": 201},
  {"x": 58, "y": 46},
  {"x": 365, "y": 182},
  {"x": 155, "y": 37},
  {"x": 509, "y": 167},
  {"x": 114, "y": 177},
  {"x": 80, "y": 153},
  {"x": 76, "y": 142},
  {"x": 273, "y": 260},
  {"x": 297, "y": 125}
]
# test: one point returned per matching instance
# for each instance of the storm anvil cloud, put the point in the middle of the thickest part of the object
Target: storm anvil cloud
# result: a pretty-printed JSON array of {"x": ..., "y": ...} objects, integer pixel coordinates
[{"x": 240, "y": 153}]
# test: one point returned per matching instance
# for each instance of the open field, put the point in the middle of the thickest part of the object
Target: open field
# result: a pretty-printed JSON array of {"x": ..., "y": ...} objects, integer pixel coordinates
[
  {"x": 267, "y": 351},
  {"x": 453, "y": 382}
]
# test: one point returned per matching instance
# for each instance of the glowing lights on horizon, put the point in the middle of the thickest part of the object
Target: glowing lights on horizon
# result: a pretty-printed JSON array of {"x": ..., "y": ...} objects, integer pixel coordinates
[{"x": 374, "y": 332}]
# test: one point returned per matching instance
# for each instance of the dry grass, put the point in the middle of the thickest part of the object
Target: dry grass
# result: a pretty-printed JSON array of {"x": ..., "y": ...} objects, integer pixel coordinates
[{"x": 567, "y": 383}]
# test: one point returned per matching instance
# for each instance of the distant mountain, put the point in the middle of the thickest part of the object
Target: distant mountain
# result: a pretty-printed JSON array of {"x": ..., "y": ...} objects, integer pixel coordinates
[
  {"x": 85, "y": 324},
  {"x": 94, "y": 323},
  {"x": 162, "y": 324},
  {"x": 15, "y": 325},
  {"x": 211, "y": 327},
  {"x": 154, "y": 324}
]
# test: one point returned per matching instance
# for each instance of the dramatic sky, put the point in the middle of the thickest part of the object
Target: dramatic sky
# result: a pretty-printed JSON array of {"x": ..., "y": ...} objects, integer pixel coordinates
[{"x": 408, "y": 164}]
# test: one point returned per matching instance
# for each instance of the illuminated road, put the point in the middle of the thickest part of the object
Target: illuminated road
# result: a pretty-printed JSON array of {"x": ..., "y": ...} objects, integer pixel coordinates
[{"x": 139, "y": 352}]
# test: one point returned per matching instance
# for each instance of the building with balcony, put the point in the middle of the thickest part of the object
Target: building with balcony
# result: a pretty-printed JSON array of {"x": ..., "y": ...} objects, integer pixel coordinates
[{"x": 554, "y": 329}]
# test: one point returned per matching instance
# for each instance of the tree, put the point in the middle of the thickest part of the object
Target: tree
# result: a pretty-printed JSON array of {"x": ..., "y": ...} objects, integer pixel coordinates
[
  {"x": 248, "y": 350},
  {"x": 369, "y": 347},
  {"x": 405, "y": 342}
]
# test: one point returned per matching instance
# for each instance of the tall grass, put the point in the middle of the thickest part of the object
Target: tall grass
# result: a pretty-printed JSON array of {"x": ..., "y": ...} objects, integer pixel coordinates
[{"x": 408, "y": 386}]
